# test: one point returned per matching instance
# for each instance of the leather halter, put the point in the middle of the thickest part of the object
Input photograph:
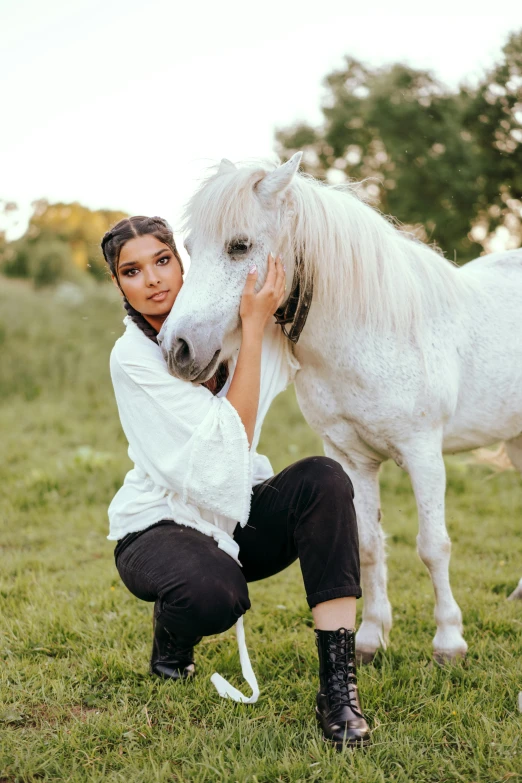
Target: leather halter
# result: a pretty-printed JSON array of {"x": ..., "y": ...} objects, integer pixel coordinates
[{"x": 296, "y": 307}]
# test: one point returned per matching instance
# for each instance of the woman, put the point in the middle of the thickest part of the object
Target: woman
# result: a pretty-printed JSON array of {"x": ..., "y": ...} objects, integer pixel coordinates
[{"x": 180, "y": 518}]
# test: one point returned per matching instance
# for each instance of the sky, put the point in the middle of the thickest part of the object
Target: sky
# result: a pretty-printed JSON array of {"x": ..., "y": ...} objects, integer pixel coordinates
[{"x": 124, "y": 105}]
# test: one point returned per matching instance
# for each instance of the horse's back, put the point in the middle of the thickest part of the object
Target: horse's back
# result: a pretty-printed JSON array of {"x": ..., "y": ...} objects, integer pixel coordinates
[
  {"x": 489, "y": 405},
  {"x": 496, "y": 285},
  {"x": 505, "y": 261}
]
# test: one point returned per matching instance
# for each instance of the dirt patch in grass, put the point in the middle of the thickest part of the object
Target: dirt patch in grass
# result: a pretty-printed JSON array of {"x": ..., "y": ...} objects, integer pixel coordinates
[
  {"x": 80, "y": 712},
  {"x": 41, "y": 716}
]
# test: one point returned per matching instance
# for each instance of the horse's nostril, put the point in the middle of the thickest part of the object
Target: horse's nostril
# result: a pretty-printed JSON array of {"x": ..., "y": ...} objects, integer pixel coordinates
[{"x": 182, "y": 353}]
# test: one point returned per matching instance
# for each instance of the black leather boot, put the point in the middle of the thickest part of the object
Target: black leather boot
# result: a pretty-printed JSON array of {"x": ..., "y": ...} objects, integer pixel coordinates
[
  {"x": 172, "y": 658},
  {"x": 338, "y": 708}
]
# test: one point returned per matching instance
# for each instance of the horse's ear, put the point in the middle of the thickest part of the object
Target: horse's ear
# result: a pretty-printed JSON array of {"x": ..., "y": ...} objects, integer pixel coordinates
[
  {"x": 226, "y": 165},
  {"x": 278, "y": 180}
]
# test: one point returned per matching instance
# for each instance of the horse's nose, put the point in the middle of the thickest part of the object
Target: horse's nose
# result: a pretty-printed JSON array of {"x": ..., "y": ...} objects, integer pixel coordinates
[{"x": 181, "y": 355}]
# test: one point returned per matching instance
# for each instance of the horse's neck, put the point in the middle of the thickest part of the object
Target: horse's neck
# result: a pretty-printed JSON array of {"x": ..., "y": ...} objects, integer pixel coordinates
[
  {"x": 437, "y": 298},
  {"x": 365, "y": 271}
]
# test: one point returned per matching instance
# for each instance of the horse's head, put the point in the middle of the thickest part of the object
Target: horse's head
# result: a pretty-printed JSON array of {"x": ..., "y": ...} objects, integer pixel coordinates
[{"x": 233, "y": 221}]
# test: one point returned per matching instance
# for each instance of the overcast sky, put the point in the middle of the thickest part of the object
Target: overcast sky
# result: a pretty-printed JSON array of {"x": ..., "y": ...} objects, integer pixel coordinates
[{"x": 124, "y": 104}]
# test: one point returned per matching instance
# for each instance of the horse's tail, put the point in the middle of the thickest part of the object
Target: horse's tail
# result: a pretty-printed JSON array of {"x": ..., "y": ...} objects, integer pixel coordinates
[{"x": 498, "y": 459}]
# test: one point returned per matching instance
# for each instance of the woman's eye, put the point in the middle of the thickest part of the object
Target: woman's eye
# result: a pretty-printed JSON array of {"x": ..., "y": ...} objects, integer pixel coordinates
[
  {"x": 166, "y": 259},
  {"x": 128, "y": 272}
]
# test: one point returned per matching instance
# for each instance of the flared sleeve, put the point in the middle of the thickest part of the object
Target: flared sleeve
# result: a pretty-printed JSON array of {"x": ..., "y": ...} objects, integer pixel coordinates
[{"x": 182, "y": 437}]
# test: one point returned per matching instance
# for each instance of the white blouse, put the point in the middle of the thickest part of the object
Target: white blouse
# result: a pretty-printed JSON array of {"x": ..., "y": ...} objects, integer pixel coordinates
[{"x": 192, "y": 461}]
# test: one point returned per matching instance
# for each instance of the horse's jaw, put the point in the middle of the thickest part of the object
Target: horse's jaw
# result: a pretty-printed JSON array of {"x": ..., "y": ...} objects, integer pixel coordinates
[{"x": 199, "y": 333}]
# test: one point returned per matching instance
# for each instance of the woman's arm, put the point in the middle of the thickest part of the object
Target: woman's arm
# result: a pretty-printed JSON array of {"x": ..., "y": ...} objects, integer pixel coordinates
[
  {"x": 180, "y": 435},
  {"x": 255, "y": 312}
]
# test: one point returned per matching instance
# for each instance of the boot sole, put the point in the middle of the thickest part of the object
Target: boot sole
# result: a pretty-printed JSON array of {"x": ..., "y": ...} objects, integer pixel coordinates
[
  {"x": 351, "y": 744},
  {"x": 185, "y": 676}
]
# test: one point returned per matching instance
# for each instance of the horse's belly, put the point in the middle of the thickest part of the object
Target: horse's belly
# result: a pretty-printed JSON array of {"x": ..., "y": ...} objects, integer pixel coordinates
[
  {"x": 489, "y": 404},
  {"x": 484, "y": 421},
  {"x": 474, "y": 438}
]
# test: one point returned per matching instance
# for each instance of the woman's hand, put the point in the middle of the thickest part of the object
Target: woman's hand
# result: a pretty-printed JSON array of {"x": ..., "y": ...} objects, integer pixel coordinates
[{"x": 255, "y": 309}]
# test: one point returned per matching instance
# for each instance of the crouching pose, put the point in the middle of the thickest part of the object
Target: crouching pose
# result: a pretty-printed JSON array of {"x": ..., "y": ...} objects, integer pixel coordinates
[{"x": 201, "y": 514}]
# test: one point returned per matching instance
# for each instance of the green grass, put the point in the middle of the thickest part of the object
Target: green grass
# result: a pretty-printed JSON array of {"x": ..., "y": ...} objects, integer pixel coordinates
[{"x": 76, "y": 702}]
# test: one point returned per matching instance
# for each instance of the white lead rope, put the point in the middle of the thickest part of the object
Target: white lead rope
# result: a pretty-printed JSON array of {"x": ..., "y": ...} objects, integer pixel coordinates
[{"x": 224, "y": 688}]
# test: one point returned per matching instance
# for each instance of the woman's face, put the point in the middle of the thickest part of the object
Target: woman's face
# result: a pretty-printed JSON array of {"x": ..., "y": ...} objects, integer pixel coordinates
[{"x": 150, "y": 277}]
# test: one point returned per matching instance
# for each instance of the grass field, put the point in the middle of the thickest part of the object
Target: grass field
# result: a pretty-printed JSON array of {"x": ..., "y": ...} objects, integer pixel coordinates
[{"x": 76, "y": 701}]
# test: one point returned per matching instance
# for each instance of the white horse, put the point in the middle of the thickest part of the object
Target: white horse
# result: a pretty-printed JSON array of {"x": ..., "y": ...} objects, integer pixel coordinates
[{"x": 403, "y": 355}]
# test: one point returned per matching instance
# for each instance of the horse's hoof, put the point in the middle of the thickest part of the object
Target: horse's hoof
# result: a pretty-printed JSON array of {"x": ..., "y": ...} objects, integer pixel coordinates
[
  {"x": 443, "y": 657},
  {"x": 516, "y": 595},
  {"x": 364, "y": 656}
]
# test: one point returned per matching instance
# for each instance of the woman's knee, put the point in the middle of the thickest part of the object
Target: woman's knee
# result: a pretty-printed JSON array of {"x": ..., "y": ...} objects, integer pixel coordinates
[
  {"x": 324, "y": 509},
  {"x": 205, "y": 607},
  {"x": 324, "y": 474}
]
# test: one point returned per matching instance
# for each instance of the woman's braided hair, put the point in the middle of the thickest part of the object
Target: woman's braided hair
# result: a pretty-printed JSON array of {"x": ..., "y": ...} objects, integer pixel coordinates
[{"x": 112, "y": 243}]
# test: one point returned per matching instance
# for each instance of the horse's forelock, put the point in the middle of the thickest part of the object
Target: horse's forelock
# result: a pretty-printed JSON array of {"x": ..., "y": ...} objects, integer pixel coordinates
[{"x": 226, "y": 203}]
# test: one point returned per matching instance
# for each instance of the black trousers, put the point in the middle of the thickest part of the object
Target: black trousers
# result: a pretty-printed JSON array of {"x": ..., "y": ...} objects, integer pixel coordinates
[{"x": 306, "y": 511}]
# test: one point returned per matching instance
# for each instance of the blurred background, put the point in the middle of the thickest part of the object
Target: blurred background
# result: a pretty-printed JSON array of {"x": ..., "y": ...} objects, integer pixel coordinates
[{"x": 112, "y": 108}]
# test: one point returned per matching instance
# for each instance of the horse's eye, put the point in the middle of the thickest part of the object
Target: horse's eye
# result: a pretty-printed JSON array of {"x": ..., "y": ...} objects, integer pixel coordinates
[{"x": 239, "y": 247}]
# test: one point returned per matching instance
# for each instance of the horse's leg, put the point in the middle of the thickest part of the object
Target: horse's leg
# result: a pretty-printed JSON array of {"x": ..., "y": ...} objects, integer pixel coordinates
[
  {"x": 423, "y": 461},
  {"x": 514, "y": 452},
  {"x": 377, "y": 615}
]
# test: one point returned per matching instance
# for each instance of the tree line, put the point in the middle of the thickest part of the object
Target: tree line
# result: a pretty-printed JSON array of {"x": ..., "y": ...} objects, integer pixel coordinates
[
  {"x": 61, "y": 242},
  {"x": 445, "y": 163}
]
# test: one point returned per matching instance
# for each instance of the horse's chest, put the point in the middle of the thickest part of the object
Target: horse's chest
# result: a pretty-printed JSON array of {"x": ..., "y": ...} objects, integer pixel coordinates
[
  {"x": 377, "y": 387},
  {"x": 350, "y": 410}
]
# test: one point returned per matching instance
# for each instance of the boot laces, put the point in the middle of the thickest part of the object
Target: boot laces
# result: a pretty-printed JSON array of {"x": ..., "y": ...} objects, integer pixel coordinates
[
  {"x": 342, "y": 677},
  {"x": 181, "y": 652}
]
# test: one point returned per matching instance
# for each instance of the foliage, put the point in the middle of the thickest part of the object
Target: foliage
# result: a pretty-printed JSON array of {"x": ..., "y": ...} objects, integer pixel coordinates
[
  {"x": 61, "y": 242},
  {"x": 77, "y": 703},
  {"x": 6, "y": 209},
  {"x": 50, "y": 261},
  {"x": 494, "y": 120},
  {"x": 80, "y": 227},
  {"x": 428, "y": 154},
  {"x": 15, "y": 259},
  {"x": 46, "y": 260}
]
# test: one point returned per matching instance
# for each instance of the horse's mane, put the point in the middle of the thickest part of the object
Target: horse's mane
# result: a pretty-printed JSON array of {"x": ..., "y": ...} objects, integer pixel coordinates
[{"x": 364, "y": 268}]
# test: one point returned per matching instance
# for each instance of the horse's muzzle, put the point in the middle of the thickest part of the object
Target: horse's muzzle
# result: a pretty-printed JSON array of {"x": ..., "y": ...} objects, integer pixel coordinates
[{"x": 181, "y": 362}]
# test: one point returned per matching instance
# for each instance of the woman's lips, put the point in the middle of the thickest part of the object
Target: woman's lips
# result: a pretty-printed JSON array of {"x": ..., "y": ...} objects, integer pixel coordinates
[{"x": 159, "y": 297}]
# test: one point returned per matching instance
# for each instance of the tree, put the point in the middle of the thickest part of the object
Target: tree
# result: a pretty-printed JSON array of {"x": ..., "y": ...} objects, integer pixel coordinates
[
  {"x": 7, "y": 208},
  {"x": 80, "y": 227},
  {"x": 61, "y": 242},
  {"x": 494, "y": 121},
  {"x": 425, "y": 154}
]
